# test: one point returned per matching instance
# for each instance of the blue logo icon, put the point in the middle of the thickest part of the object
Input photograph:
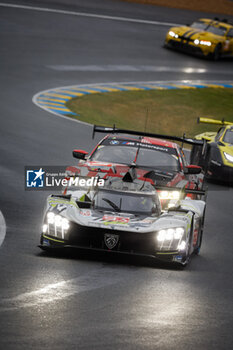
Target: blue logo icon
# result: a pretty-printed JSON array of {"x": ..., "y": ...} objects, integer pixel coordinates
[{"x": 35, "y": 178}]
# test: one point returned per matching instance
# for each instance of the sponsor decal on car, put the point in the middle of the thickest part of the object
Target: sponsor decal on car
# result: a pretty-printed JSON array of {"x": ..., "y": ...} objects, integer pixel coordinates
[
  {"x": 128, "y": 143},
  {"x": 85, "y": 212},
  {"x": 177, "y": 258},
  {"x": 119, "y": 220},
  {"x": 46, "y": 242}
]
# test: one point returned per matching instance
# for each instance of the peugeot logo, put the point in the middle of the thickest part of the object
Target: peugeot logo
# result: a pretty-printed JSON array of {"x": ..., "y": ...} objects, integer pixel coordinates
[{"x": 111, "y": 240}]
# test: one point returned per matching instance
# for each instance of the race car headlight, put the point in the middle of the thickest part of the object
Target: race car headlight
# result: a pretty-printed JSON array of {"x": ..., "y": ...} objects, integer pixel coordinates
[
  {"x": 182, "y": 245},
  {"x": 58, "y": 220},
  {"x": 56, "y": 225},
  {"x": 172, "y": 34},
  {"x": 169, "y": 195},
  {"x": 228, "y": 157},
  {"x": 196, "y": 42},
  {"x": 171, "y": 239},
  {"x": 50, "y": 217},
  {"x": 65, "y": 224},
  {"x": 205, "y": 42}
]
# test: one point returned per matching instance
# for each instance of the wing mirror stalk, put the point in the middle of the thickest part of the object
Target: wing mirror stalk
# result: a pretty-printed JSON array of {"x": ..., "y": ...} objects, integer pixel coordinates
[
  {"x": 80, "y": 154},
  {"x": 192, "y": 169}
]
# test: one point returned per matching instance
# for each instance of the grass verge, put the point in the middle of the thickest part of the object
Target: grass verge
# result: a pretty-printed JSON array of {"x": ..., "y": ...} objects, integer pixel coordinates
[
  {"x": 211, "y": 6},
  {"x": 162, "y": 111}
]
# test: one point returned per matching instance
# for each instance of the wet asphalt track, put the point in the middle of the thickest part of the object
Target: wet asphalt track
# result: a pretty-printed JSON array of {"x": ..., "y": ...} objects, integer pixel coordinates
[{"x": 92, "y": 301}]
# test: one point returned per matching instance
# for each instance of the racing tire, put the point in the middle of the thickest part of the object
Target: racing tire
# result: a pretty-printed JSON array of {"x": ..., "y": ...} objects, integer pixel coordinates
[
  {"x": 217, "y": 53},
  {"x": 187, "y": 255},
  {"x": 165, "y": 45},
  {"x": 186, "y": 258},
  {"x": 198, "y": 248},
  {"x": 200, "y": 235}
]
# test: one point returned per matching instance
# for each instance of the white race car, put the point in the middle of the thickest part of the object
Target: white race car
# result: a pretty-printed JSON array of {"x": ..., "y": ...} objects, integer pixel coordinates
[{"x": 124, "y": 216}]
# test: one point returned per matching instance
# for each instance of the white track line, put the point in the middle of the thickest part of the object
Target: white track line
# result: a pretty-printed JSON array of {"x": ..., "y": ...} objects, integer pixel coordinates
[
  {"x": 91, "y": 15},
  {"x": 2, "y": 228},
  {"x": 129, "y": 68}
]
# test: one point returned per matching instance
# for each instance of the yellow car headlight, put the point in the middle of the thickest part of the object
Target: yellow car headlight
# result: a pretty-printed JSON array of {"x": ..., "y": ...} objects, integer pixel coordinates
[
  {"x": 228, "y": 157},
  {"x": 202, "y": 42},
  {"x": 205, "y": 42},
  {"x": 172, "y": 34}
]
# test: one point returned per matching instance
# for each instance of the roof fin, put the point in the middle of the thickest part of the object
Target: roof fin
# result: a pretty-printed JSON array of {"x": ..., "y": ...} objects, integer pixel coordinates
[{"x": 131, "y": 175}]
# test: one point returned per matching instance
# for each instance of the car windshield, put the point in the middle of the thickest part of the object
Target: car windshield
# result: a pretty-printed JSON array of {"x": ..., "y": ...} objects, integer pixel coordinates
[
  {"x": 162, "y": 158},
  {"x": 158, "y": 159},
  {"x": 230, "y": 33},
  {"x": 125, "y": 202},
  {"x": 216, "y": 30},
  {"x": 199, "y": 25},
  {"x": 228, "y": 137},
  {"x": 117, "y": 154}
]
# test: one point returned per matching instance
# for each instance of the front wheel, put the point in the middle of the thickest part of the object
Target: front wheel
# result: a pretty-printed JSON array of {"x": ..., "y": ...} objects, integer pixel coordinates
[
  {"x": 165, "y": 45},
  {"x": 200, "y": 234},
  {"x": 198, "y": 247},
  {"x": 217, "y": 53}
]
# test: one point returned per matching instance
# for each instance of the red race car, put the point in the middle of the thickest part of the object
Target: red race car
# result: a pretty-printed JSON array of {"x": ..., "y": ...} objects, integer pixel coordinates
[{"x": 151, "y": 157}]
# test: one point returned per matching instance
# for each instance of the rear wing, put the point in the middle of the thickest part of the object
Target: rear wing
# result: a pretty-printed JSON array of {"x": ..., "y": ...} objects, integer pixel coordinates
[
  {"x": 115, "y": 130},
  {"x": 213, "y": 121}
]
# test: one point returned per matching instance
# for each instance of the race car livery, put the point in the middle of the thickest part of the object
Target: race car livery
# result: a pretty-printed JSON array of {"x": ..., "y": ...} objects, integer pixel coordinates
[
  {"x": 205, "y": 37},
  {"x": 124, "y": 217},
  {"x": 143, "y": 152},
  {"x": 217, "y": 159}
]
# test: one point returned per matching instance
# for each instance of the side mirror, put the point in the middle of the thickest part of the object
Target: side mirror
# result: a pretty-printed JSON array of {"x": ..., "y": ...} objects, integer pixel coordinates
[
  {"x": 192, "y": 169},
  {"x": 80, "y": 154},
  {"x": 220, "y": 143}
]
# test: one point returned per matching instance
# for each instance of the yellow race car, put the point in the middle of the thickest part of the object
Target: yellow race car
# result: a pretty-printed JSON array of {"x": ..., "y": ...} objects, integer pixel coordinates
[
  {"x": 205, "y": 37},
  {"x": 216, "y": 158}
]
